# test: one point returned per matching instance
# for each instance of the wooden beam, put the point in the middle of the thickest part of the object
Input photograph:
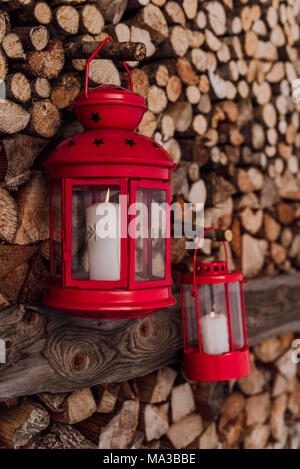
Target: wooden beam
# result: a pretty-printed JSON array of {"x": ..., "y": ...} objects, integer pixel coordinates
[{"x": 49, "y": 351}]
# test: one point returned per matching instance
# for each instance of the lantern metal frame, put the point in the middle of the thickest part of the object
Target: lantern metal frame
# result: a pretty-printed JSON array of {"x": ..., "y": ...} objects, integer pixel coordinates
[
  {"x": 134, "y": 185},
  {"x": 200, "y": 366},
  {"x": 141, "y": 163},
  {"x": 95, "y": 284}
]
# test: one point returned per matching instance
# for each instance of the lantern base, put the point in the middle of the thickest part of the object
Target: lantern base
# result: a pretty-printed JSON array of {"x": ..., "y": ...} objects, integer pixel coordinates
[
  {"x": 205, "y": 367},
  {"x": 109, "y": 304}
]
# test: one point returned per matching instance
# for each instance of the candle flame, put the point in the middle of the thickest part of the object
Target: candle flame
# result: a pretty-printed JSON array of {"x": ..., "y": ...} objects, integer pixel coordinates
[
  {"x": 212, "y": 313},
  {"x": 107, "y": 196}
]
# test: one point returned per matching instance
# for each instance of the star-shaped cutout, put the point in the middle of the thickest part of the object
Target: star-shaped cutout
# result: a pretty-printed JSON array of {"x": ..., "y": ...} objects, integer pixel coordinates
[
  {"x": 71, "y": 143},
  {"x": 98, "y": 141},
  {"x": 155, "y": 145},
  {"x": 130, "y": 142},
  {"x": 95, "y": 117}
]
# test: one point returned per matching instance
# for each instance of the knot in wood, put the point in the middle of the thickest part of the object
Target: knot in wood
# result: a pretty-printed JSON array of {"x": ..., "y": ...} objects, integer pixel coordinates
[
  {"x": 153, "y": 337},
  {"x": 31, "y": 317},
  {"x": 80, "y": 361},
  {"x": 8, "y": 343},
  {"x": 77, "y": 354},
  {"x": 146, "y": 328}
]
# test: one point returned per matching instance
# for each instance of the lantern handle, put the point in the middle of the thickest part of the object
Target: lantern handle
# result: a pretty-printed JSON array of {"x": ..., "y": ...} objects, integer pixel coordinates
[{"x": 86, "y": 93}]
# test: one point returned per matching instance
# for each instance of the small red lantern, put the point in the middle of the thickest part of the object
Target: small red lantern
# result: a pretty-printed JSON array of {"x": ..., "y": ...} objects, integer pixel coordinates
[
  {"x": 214, "y": 327},
  {"x": 108, "y": 168}
]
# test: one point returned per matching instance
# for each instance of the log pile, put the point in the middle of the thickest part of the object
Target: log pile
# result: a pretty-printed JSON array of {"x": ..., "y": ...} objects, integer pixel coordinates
[
  {"x": 219, "y": 80},
  {"x": 163, "y": 410},
  {"x": 219, "y": 84}
]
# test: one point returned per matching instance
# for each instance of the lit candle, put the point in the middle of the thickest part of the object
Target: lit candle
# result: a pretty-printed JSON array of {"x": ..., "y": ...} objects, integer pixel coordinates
[
  {"x": 214, "y": 333},
  {"x": 103, "y": 253}
]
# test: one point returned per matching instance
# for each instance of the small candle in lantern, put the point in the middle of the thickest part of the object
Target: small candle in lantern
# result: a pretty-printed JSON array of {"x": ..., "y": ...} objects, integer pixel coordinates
[
  {"x": 214, "y": 333},
  {"x": 103, "y": 253}
]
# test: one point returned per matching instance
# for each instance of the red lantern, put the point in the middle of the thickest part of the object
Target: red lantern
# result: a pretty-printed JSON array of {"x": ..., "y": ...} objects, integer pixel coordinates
[
  {"x": 108, "y": 168},
  {"x": 214, "y": 328}
]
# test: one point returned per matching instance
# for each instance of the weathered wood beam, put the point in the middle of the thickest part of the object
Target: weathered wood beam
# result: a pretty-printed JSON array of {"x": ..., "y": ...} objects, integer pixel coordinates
[{"x": 49, "y": 351}]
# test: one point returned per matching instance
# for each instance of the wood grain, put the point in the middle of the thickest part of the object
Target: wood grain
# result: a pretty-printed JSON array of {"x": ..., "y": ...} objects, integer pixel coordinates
[{"x": 47, "y": 351}]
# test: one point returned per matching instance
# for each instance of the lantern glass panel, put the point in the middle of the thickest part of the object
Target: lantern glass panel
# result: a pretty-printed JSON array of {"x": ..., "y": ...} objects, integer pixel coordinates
[
  {"x": 96, "y": 240},
  {"x": 150, "y": 234},
  {"x": 236, "y": 314},
  {"x": 56, "y": 248},
  {"x": 213, "y": 319},
  {"x": 190, "y": 319}
]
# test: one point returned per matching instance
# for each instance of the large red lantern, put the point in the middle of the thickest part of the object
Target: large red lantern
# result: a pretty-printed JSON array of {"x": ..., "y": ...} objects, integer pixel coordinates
[
  {"x": 109, "y": 169},
  {"x": 214, "y": 328}
]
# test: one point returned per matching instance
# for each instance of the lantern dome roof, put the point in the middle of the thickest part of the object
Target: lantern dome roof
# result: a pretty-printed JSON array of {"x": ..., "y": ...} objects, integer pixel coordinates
[
  {"x": 100, "y": 146},
  {"x": 110, "y": 114},
  {"x": 109, "y": 107}
]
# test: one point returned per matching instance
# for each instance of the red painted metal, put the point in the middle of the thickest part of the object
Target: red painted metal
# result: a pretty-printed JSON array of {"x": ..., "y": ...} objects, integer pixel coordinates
[
  {"x": 204, "y": 367},
  {"x": 228, "y": 317},
  {"x": 110, "y": 153},
  {"x": 134, "y": 185},
  {"x": 212, "y": 279},
  {"x": 109, "y": 304},
  {"x": 86, "y": 91},
  {"x": 199, "y": 365},
  {"x": 96, "y": 284}
]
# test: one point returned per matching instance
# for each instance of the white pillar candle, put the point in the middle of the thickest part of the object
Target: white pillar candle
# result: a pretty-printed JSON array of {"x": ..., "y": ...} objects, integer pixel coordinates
[
  {"x": 103, "y": 261},
  {"x": 214, "y": 334}
]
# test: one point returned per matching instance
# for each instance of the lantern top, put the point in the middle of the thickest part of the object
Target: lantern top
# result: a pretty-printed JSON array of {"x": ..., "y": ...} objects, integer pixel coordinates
[
  {"x": 91, "y": 153},
  {"x": 110, "y": 147},
  {"x": 211, "y": 268},
  {"x": 110, "y": 107}
]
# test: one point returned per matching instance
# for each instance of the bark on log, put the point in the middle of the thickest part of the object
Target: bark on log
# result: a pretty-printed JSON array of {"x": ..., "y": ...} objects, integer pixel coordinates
[
  {"x": 8, "y": 216},
  {"x": 13, "y": 117},
  {"x": 13, "y": 47},
  {"x": 39, "y": 13},
  {"x": 112, "y": 10},
  {"x": 91, "y": 19},
  {"x": 36, "y": 37},
  {"x": 18, "y": 88},
  {"x": 112, "y": 50},
  {"x": 19, "y": 424},
  {"x": 78, "y": 406},
  {"x": 4, "y": 25},
  {"x": 19, "y": 153},
  {"x": 45, "y": 119},
  {"x": 47, "y": 63},
  {"x": 32, "y": 201},
  {"x": 60, "y": 436}
]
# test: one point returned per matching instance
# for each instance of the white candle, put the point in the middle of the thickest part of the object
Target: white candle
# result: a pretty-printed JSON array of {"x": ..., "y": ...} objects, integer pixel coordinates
[
  {"x": 214, "y": 333},
  {"x": 103, "y": 262}
]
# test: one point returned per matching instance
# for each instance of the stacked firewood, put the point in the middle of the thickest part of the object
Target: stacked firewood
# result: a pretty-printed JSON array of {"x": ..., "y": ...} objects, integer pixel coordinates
[
  {"x": 164, "y": 410},
  {"x": 218, "y": 79}
]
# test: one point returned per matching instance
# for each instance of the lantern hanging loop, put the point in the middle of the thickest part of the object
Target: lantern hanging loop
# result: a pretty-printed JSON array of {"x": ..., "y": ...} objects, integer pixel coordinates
[
  {"x": 195, "y": 254},
  {"x": 86, "y": 93}
]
